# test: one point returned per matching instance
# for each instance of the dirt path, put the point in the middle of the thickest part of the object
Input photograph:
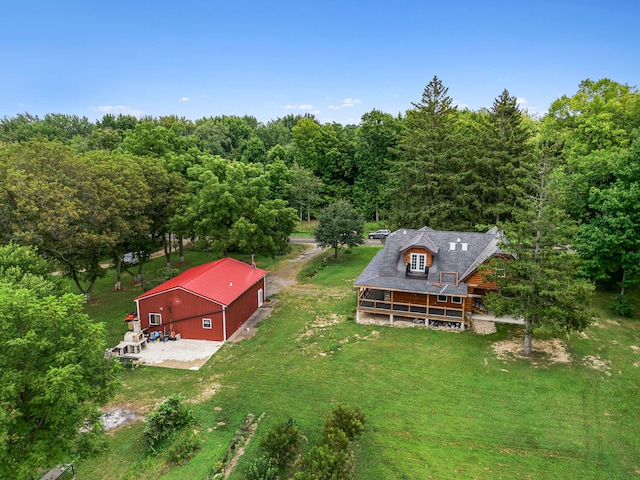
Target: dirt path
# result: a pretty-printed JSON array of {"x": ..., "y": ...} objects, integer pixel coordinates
[{"x": 279, "y": 279}]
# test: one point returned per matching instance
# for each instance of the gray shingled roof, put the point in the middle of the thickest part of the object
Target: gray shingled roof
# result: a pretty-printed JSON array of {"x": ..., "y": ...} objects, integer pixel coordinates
[{"x": 387, "y": 269}]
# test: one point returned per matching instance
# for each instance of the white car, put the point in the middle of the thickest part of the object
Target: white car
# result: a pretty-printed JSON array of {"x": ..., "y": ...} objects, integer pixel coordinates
[
  {"x": 130, "y": 259},
  {"x": 379, "y": 234}
]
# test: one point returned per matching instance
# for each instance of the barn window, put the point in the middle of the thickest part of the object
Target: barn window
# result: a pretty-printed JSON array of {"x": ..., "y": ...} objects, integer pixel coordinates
[
  {"x": 260, "y": 297},
  {"x": 206, "y": 323},
  {"x": 418, "y": 262},
  {"x": 442, "y": 298},
  {"x": 155, "y": 319},
  {"x": 456, "y": 299}
]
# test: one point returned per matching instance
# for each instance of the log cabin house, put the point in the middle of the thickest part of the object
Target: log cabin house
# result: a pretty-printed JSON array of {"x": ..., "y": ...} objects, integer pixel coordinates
[{"x": 429, "y": 277}]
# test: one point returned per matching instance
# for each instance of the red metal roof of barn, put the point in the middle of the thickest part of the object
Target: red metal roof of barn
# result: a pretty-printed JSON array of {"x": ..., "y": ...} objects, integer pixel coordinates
[{"x": 222, "y": 281}]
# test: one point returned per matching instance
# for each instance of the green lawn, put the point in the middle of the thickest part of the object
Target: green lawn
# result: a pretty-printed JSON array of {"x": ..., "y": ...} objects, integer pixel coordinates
[{"x": 438, "y": 404}]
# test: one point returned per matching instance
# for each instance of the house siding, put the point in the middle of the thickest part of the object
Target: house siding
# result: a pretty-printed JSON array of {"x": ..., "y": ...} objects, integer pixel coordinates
[
  {"x": 477, "y": 280},
  {"x": 429, "y": 259}
]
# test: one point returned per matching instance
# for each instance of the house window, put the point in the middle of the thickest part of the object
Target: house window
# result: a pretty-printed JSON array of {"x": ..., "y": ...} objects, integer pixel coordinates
[
  {"x": 260, "y": 297},
  {"x": 206, "y": 323},
  {"x": 418, "y": 262},
  {"x": 155, "y": 319},
  {"x": 452, "y": 245},
  {"x": 442, "y": 298},
  {"x": 465, "y": 247},
  {"x": 456, "y": 300},
  {"x": 500, "y": 273}
]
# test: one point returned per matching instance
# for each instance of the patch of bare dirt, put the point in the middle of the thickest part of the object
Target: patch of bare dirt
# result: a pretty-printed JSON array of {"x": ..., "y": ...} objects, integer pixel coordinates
[
  {"x": 484, "y": 327},
  {"x": 119, "y": 417},
  {"x": 596, "y": 363},
  {"x": 545, "y": 352}
]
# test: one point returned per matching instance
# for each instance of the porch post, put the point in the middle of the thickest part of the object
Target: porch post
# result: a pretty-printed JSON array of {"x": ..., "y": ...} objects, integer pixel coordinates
[{"x": 391, "y": 318}]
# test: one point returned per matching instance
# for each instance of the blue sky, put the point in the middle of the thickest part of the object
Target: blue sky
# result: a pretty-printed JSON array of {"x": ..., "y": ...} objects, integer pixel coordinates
[{"x": 338, "y": 60}]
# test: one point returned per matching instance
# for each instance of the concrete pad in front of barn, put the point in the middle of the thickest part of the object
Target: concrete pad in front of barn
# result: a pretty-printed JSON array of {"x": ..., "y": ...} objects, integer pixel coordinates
[{"x": 182, "y": 354}]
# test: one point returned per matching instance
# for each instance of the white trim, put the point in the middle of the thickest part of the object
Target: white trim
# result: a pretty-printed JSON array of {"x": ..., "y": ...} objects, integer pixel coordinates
[
  {"x": 204, "y": 320},
  {"x": 442, "y": 299},
  {"x": 453, "y": 299},
  {"x": 224, "y": 323},
  {"x": 155, "y": 314},
  {"x": 260, "y": 297}
]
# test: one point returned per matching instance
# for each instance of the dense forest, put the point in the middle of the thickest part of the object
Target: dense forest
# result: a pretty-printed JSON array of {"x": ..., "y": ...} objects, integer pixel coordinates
[{"x": 81, "y": 191}]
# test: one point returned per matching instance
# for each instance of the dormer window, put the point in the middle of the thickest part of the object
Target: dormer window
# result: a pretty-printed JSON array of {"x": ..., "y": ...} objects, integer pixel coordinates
[
  {"x": 452, "y": 245},
  {"x": 465, "y": 247},
  {"x": 418, "y": 262}
]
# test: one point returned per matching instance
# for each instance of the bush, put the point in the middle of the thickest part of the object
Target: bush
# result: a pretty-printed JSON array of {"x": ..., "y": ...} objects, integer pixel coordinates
[
  {"x": 350, "y": 421},
  {"x": 282, "y": 443},
  {"x": 261, "y": 469},
  {"x": 171, "y": 417},
  {"x": 183, "y": 448},
  {"x": 324, "y": 462},
  {"x": 621, "y": 306}
]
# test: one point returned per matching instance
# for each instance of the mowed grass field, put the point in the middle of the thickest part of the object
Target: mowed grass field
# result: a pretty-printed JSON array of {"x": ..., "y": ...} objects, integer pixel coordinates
[{"x": 439, "y": 405}]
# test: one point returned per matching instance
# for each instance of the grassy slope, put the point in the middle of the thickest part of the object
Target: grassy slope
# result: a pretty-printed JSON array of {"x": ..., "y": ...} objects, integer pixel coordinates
[{"x": 438, "y": 404}]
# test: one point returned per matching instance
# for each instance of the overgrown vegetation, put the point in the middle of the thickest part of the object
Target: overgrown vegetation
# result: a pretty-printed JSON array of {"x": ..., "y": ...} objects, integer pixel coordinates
[{"x": 165, "y": 423}]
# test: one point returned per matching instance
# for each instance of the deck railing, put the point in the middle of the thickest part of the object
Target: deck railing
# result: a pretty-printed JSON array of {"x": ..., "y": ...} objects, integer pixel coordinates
[{"x": 409, "y": 309}]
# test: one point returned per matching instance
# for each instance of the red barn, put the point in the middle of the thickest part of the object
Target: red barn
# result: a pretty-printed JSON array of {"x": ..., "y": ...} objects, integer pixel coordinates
[{"x": 207, "y": 302}]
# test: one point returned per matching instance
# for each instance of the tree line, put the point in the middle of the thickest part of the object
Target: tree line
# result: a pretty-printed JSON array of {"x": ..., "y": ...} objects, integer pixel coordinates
[{"x": 81, "y": 191}]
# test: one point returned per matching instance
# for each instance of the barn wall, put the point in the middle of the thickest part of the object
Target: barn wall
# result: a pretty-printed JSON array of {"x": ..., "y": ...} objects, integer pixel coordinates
[
  {"x": 183, "y": 312},
  {"x": 243, "y": 307}
]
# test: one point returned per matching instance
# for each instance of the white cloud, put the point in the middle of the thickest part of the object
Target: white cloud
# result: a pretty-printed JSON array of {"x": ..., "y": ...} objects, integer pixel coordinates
[
  {"x": 117, "y": 109},
  {"x": 521, "y": 101},
  {"x": 333, "y": 107},
  {"x": 350, "y": 102},
  {"x": 460, "y": 105},
  {"x": 186, "y": 99},
  {"x": 303, "y": 106}
]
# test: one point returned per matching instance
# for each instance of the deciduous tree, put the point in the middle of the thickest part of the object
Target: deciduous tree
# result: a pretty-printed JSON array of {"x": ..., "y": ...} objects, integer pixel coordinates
[
  {"x": 341, "y": 224},
  {"x": 52, "y": 369}
]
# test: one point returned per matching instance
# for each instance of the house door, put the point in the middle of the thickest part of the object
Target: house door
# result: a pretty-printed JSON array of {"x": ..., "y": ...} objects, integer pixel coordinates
[{"x": 260, "y": 297}]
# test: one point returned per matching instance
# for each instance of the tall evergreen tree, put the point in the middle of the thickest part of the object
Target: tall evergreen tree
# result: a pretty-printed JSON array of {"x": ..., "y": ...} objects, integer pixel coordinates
[
  {"x": 504, "y": 169},
  {"x": 539, "y": 284},
  {"x": 426, "y": 176}
]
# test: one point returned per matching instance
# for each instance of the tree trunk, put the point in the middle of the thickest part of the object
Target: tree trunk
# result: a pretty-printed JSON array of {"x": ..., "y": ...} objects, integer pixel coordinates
[
  {"x": 377, "y": 214},
  {"x": 118, "y": 284},
  {"x": 181, "y": 248},
  {"x": 167, "y": 250},
  {"x": 622, "y": 282},
  {"x": 308, "y": 213},
  {"x": 138, "y": 276},
  {"x": 528, "y": 338}
]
